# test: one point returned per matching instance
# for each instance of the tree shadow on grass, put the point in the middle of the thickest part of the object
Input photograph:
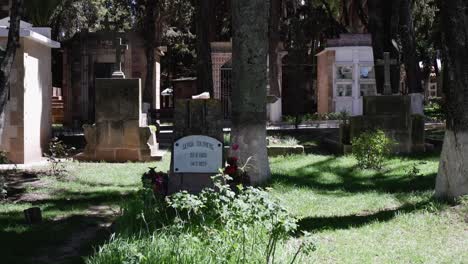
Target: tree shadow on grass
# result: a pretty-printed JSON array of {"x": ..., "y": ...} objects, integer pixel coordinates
[
  {"x": 56, "y": 239},
  {"x": 351, "y": 179},
  {"x": 318, "y": 223},
  {"x": 61, "y": 241}
]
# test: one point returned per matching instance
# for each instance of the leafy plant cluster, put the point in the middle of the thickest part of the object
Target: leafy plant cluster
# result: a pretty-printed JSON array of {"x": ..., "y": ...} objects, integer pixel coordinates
[
  {"x": 371, "y": 149},
  {"x": 220, "y": 225},
  {"x": 3, "y": 187},
  {"x": 282, "y": 141},
  {"x": 57, "y": 154},
  {"x": 4, "y": 157},
  {"x": 414, "y": 171},
  {"x": 434, "y": 111},
  {"x": 342, "y": 116}
]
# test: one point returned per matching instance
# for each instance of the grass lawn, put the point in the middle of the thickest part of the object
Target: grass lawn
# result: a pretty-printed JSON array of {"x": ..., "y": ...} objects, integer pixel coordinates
[
  {"x": 372, "y": 217},
  {"x": 356, "y": 216},
  {"x": 88, "y": 197}
]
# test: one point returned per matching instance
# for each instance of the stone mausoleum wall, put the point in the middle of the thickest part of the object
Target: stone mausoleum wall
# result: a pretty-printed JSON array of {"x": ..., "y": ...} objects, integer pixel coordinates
[{"x": 28, "y": 115}]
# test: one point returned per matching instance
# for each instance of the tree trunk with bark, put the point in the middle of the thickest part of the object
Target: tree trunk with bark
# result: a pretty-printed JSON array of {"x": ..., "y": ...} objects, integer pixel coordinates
[
  {"x": 7, "y": 61},
  {"x": 249, "y": 98},
  {"x": 149, "y": 36},
  {"x": 274, "y": 36},
  {"x": 408, "y": 41},
  {"x": 205, "y": 21},
  {"x": 452, "y": 179}
]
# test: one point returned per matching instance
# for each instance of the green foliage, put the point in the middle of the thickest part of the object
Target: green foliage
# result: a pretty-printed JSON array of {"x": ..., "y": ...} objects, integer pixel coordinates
[
  {"x": 4, "y": 157},
  {"x": 3, "y": 187},
  {"x": 414, "y": 171},
  {"x": 39, "y": 12},
  {"x": 341, "y": 116},
  {"x": 371, "y": 149},
  {"x": 434, "y": 111},
  {"x": 217, "y": 226},
  {"x": 57, "y": 154},
  {"x": 426, "y": 30},
  {"x": 282, "y": 141}
]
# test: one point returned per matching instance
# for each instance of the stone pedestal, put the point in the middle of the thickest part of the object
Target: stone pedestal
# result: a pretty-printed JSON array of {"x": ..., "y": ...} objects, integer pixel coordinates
[
  {"x": 195, "y": 117},
  {"x": 117, "y": 135},
  {"x": 394, "y": 115}
]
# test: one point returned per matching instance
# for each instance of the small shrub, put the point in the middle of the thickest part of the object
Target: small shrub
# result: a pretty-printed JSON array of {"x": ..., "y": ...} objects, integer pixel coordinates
[
  {"x": 371, "y": 149},
  {"x": 3, "y": 187},
  {"x": 289, "y": 119},
  {"x": 414, "y": 171},
  {"x": 58, "y": 152},
  {"x": 282, "y": 141},
  {"x": 4, "y": 158},
  {"x": 434, "y": 110}
]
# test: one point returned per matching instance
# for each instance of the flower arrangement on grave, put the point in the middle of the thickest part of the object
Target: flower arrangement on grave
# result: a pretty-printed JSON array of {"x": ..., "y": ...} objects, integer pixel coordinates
[
  {"x": 237, "y": 174},
  {"x": 156, "y": 181}
]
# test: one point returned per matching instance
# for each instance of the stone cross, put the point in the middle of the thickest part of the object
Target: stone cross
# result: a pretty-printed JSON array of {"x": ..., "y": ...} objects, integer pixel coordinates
[
  {"x": 387, "y": 63},
  {"x": 119, "y": 47}
]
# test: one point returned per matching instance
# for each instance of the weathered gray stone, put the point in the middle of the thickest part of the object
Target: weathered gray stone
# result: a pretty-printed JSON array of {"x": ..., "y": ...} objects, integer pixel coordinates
[
  {"x": 117, "y": 135},
  {"x": 393, "y": 115},
  {"x": 195, "y": 117}
]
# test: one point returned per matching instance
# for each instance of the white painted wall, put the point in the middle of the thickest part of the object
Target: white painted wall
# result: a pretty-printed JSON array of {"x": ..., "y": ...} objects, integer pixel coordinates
[
  {"x": 356, "y": 57},
  {"x": 37, "y": 100}
]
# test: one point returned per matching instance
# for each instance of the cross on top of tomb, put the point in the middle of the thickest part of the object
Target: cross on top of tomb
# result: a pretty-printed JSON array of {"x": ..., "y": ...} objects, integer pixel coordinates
[
  {"x": 387, "y": 62},
  {"x": 119, "y": 49}
]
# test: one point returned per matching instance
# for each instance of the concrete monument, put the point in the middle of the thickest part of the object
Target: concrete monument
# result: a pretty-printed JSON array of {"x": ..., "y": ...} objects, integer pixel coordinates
[
  {"x": 119, "y": 135},
  {"x": 198, "y": 150}
]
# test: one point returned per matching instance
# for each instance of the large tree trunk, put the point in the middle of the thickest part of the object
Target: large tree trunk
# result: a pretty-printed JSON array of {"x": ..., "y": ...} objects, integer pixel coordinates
[
  {"x": 149, "y": 35},
  {"x": 274, "y": 36},
  {"x": 204, "y": 17},
  {"x": 7, "y": 62},
  {"x": 452, "y": 180},
  {"x": 250, "y": 52},
  {"x": 410, "y": 59}
]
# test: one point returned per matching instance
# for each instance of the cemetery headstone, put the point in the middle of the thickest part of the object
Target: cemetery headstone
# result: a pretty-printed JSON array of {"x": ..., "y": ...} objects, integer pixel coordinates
[
  {"x": 393, "y": 114},
  {"x": 198, "y": 147},
  {"x": 118, "y": 135}
]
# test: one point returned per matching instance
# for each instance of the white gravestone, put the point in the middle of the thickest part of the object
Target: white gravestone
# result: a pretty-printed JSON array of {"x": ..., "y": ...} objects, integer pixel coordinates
[{"x": 198, "y": 154}]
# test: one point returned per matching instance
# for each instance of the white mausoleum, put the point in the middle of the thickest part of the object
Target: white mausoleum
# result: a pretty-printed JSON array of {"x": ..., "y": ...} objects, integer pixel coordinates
[
  {"x": 26, "y": 129},
  {"x": 345, "y": 74}
]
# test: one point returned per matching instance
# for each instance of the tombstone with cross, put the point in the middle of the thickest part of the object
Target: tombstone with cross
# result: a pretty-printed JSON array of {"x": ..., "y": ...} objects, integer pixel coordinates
[
  {"x": 120, "y": 49},
  {"x": 387, "y": 62}
]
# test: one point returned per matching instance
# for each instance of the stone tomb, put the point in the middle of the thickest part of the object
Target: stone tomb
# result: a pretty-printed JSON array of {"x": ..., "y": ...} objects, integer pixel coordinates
[
  {"x": 27, "y": 121},
  {"x": 119, "y": 134},
  {"x": 198, "y": 150},
  {"x": 394, "y": 115}
]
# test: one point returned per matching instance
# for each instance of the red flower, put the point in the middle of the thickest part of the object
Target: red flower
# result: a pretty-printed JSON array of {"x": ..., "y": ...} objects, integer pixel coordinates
[
  {"x": 235, "y": 147},
  {"x": 232, "y": 161},
  {"x": 230, "y": 170}
]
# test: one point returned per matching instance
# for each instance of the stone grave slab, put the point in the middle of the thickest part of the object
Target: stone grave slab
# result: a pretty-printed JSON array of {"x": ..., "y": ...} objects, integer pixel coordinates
[
  {"x": 392, "y": 114},
  {"x": 117, "y": 135},
  {"x": 198, "y": 149}
]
